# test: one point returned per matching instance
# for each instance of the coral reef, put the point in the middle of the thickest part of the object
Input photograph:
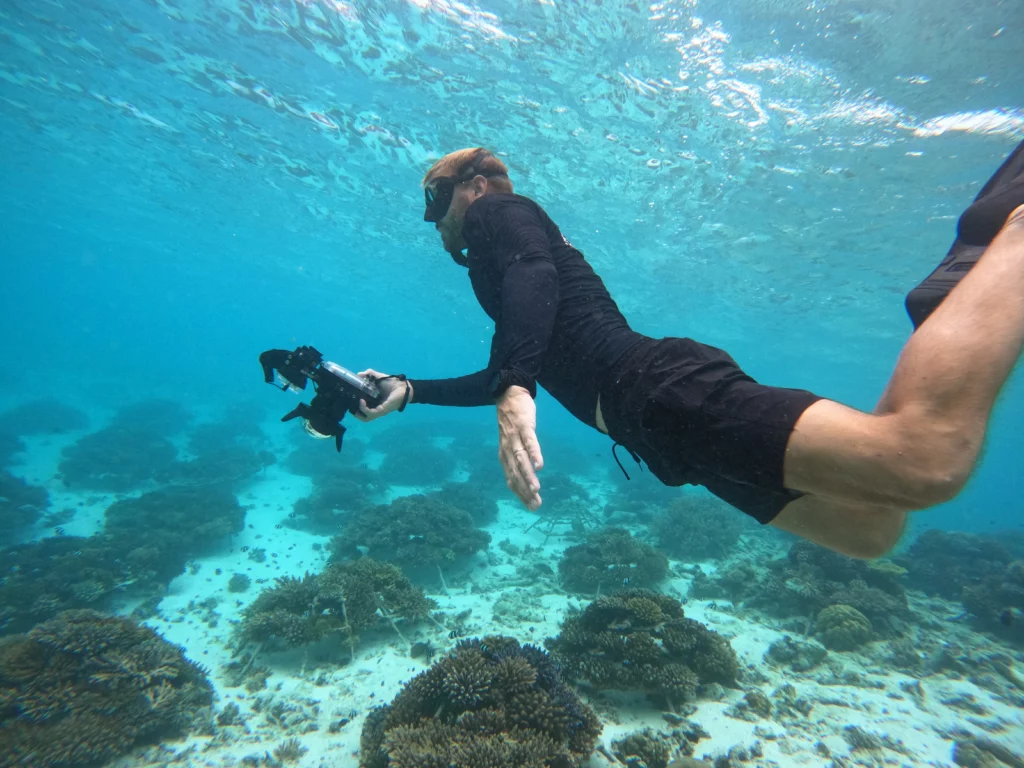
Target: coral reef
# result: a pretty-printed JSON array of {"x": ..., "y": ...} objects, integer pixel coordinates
[
  {"x": 812, "y": 578},
  {"x": 117, "y": 459},
  {"x": 348, "y": 490},
  {"x": 843, "y": 628},
  {"x": 482, "y": 507},
  {"x": 942, "y": 563},
  {"x": 698, "y": 527},
  {"x": 736, "y": 583},
  {"x": 610, "y": 559},
  {"x": 42, "y": 417},
  {"x": 411, "y": 531},
  {"x": 229, "y": 467},
  {"x": 160, "y": 531},
  {"x": 9, "y": 445},
  {"x": 795, "y": 654},
  {"x": 55, "y": 574},
  {"x": 84, "y": 688},
  {"x": 654, "y": 749},
  {"x": 237, "y": 427},
  {"x": 155, "y": 415},
  {"x": 640, "y": 640},
  {"x": 415, "y": 458},
  {"x": 311, "y": 459},
  {"x": 346, "y": 598},
  {"x": 21, "y": 505},
  {"x": 997, "y": 602},
  {"x": 490, "y": 703}
]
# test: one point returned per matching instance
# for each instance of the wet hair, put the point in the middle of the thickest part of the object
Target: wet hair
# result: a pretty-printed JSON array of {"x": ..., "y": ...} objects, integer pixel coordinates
[{"x": 460, "y": 162}]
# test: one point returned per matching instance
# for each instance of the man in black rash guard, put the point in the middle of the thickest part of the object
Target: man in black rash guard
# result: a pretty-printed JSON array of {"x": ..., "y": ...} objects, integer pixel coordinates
[{"x": 839, "y": 477}]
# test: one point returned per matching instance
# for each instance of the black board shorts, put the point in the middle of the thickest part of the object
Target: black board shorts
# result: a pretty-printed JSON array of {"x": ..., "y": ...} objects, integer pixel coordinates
[{"x": 695, "y": 418}]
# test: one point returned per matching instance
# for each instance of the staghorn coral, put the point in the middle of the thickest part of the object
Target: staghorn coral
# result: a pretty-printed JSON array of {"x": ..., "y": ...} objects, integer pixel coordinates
[
  {"x": 942, "y": 563},
  {"x": 412, "y": 531},
  {"x": 698, "y": 527},
  {"x": 117, "y": 459},
  {"x": 346, "y": 598},
  {"x": 162, "y": 530},
  {"x": 56, "y": 574},
  {"x": 490, "y": 703},
  {"x": 84, "y": 688},
  {"x": 21, "y": 505},
  {"x": 607, "y": 558},
  {"x": 843, "y": 628},
  {"x": 640, "y": 640}
]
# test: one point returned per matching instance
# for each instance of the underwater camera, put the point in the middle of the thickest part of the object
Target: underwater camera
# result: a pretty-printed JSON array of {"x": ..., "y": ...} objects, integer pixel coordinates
[{"x": 338, "y": 390}]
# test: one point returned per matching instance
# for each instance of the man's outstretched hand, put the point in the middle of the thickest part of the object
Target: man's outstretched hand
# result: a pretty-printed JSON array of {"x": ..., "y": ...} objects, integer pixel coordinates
[{"x": 518, "y": 448}]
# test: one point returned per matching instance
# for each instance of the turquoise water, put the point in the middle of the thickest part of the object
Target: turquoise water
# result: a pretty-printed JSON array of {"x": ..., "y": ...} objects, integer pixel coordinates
[{"x": 188, "y": 184}]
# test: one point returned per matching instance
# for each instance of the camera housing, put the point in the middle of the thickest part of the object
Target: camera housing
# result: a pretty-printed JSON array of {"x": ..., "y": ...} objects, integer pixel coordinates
[{"x": 338, "y": 390}]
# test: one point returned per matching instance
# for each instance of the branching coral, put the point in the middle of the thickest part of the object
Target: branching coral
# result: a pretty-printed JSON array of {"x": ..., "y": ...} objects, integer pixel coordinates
[
  {"x": 998, "y": 602},
  {"x": 491, "y": 703},
  {"x": 812, "y": 578},
  {"x": 161, "y": 531},
  {"x": 640, "y": 640},
  {"x": 943, "y": 563},
  {"x": 482, "y": 507},
  {"x": 117, "y": 459},
  {"x": 698, "y": 527},
  {"x": 412, "y": 531},
  {"x": 333, "y": 497},
  {"x": 230, "y": 467},
  {"x": 736, "y": 583},
  {"x": 55, "y": 574},
  {"x": 347, "y": 598},
  {"x": 21, "y": 505},
  {"x": 83, "y": 688},
  {"x": 155, "y": 415},
  {"x": 608, "y": 559},
  {"x": 42, "y": 417},
  {"x": 9, "y": 445}
]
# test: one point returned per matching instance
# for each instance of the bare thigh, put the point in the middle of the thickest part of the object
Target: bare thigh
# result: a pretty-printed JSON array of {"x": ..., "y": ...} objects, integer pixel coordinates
[
  {"x": 856, "y": 530},
  {"x": 906, "y": 460}
]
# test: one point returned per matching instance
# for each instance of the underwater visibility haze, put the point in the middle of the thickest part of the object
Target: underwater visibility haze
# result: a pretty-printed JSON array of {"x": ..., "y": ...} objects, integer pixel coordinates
[{"x": 186, "y": 579}]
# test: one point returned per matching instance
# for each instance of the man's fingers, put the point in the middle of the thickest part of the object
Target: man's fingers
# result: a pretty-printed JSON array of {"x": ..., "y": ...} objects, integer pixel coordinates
[{"x": 532, "y": 446}]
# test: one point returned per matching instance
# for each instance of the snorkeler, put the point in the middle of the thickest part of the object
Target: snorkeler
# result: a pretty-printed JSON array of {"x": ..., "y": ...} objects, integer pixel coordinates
[{"x": 811, "y": 466}]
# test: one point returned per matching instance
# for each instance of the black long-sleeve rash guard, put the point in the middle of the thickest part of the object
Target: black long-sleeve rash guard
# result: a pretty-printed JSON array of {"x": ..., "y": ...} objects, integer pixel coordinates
[{"x": 554, "y": 321}]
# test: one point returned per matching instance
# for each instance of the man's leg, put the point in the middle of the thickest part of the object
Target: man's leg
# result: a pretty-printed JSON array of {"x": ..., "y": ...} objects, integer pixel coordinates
[
  {"x": 849, "y": 528},
  {"x": 922, "y": 442}
]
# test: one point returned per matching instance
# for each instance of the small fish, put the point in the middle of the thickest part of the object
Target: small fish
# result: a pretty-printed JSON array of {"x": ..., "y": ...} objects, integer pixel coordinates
[
  {"x": 713, "y": 605},
  {"x": 483, "y": 647},
  {"x": 457, "y": 632},
  {"x": 625, "y": 582},
  {"x": 245, "y": 548},
  {"x": 59, "y": 531}
]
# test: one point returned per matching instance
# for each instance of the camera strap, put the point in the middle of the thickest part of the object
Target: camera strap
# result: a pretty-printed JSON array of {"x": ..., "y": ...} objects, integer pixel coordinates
[{"x": 408, "y": 389}]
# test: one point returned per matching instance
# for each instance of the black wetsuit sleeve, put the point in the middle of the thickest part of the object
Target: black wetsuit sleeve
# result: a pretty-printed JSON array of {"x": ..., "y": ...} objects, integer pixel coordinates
[{"x": 473, "y": 389}]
